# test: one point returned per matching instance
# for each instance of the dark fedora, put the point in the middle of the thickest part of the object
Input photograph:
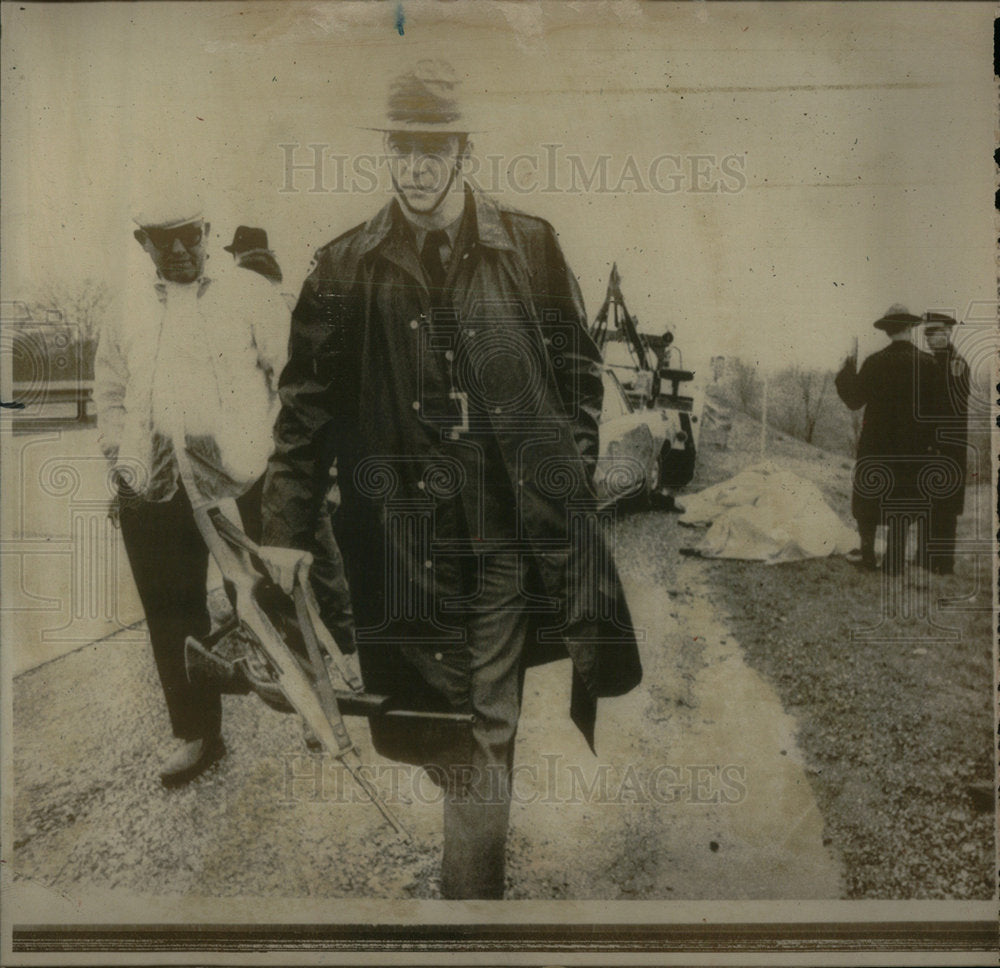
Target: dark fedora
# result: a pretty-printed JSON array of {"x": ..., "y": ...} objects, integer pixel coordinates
[
  {"x": 247, "y": 238},
  {"x": 425, "y": 99},
  {"x": 896, "y": 318},
  {"x": 939, "y": 319}
]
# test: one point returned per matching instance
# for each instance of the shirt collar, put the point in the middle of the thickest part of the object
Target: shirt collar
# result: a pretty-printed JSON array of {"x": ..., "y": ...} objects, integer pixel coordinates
[
  {"x": 450, "y": 230},
  {"x": 160, "y": 286},
  {"x": 490, "y": 230}
]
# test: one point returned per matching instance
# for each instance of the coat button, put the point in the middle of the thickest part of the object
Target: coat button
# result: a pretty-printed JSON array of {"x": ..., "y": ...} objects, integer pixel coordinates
[
  {"x": 449, "y": 355},
  {"x": 438, "y": 656},
  {"x": 428, "y": 564},
  {"x": 421, "y": 485},
  {"x": 414, "y": 324},
  {"x": 415, "y": 404}
]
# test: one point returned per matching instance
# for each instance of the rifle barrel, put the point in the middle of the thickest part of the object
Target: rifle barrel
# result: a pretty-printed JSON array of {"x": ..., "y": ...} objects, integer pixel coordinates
[{"x": 460, "y": 718}]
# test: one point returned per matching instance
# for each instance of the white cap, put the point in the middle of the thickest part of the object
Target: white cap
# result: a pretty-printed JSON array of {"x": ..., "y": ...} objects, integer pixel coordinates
[{"x": 170, "y": 211}]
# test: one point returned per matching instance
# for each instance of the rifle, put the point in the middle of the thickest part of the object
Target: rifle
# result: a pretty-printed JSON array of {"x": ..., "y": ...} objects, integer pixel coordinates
[{"x": 277, "y": 645}]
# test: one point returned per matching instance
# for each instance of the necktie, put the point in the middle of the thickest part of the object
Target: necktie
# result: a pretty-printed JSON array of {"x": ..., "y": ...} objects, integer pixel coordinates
[{"x": 430, "y": 257}]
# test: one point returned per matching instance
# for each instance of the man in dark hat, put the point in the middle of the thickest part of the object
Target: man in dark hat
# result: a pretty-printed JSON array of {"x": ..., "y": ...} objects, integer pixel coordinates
[
  {"x": 439, "y": 354},
  {"x": 951, "y": 437},
  {"x": 250, "y": 251},
  {"x": 895, "y": 442}
]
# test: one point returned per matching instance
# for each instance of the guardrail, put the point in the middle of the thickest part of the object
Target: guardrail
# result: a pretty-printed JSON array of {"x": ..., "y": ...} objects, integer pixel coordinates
[{"x": 34, "y": 396}]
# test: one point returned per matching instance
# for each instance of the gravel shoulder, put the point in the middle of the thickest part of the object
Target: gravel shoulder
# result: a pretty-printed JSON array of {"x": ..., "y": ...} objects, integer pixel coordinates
[
  {"x": 769, "y": 753},
  {"x": 891, "y": 684},
  {"x": 699, "y": 789},
  {"x": 896, "y": 725}
]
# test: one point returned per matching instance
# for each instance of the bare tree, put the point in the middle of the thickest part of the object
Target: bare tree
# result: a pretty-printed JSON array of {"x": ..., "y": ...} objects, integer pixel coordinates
[
  {"x": 745, "y": 384},
  {"x": 812, "y": 386},
  {"x": 84, "y": 304},
  {"x": 797, "y": 401},
  {"x": 784, "y": 405}
]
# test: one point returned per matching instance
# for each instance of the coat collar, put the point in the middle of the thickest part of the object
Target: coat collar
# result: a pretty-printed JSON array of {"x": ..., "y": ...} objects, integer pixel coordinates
[
  {"x": 161, "y": 287},
  {"x": 490, "y": 230}
]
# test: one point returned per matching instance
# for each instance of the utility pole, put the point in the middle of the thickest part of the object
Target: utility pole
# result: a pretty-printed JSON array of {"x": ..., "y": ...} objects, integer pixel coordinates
[{"x": 763, "y": 420}]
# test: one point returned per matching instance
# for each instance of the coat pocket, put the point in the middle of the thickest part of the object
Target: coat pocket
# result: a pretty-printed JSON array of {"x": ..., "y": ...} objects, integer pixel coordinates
[{"x": 445, "y": 667}]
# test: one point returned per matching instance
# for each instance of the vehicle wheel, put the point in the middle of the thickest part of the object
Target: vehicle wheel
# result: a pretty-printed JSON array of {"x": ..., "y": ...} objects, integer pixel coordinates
[{"x": 677, "y": 466}]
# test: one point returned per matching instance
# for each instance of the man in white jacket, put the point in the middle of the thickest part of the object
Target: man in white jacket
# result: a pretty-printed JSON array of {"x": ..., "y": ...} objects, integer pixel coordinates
[{"x": 194, "y": 358}]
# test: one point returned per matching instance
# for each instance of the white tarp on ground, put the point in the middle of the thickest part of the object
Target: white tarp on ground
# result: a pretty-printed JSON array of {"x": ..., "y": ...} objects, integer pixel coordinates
[{"x": 767, "y": 513}]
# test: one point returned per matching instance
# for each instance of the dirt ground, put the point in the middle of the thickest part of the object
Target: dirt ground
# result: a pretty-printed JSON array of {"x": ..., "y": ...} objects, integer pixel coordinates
[
  {"x": 897, "y": 732},
  {"x": 680, "y": 802},
  {"x": 889, "y": 681},
  {"x": 895, "y": 717},
  {"x": 769, "y": 753}
]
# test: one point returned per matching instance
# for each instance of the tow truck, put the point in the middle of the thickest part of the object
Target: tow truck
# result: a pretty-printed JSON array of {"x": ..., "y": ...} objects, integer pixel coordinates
[{"x": 651, "y": 372}]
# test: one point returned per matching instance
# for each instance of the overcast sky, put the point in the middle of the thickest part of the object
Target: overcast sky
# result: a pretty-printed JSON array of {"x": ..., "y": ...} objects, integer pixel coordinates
[{"x": 857, "y": 142}]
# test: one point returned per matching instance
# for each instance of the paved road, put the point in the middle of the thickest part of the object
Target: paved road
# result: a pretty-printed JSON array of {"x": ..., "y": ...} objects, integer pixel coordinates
[
  {"x": 65, "y": 577},
  {"x": 698, "y": 791}
]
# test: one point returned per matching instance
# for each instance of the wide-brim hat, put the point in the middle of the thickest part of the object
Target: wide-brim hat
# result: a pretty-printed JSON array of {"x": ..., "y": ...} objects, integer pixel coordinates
[
  {"x": 246, "y": 238},
  {"x": 425, "y": 99},
  {"x": 896, "y": 318},
  {"x": 940, "y": 319}
]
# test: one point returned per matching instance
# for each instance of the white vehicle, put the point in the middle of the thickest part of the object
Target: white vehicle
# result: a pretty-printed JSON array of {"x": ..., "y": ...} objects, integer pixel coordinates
[
  {"x": 645, "y": 386},
  {"x": 642, "y": 451}
]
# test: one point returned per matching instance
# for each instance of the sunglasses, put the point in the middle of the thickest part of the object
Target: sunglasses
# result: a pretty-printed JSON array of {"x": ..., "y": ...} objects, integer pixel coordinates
[{"x": 189, "y": 235}]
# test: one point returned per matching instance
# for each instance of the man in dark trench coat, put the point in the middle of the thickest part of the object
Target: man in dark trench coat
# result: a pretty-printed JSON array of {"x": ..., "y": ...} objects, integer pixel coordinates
[
  {"x": 896, "y": 386},
  {"x": 439, "y": 358},
  {"x": 951, "y": 444}
]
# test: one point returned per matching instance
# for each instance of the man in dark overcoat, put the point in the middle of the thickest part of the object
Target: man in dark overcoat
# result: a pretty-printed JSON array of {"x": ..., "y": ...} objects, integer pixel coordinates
[
  {"x": 951, "y": 439},
  {"x": 249, "y": 250},
  {"x": 439, "y": 356},
  {"x": 894, "y": 385}
]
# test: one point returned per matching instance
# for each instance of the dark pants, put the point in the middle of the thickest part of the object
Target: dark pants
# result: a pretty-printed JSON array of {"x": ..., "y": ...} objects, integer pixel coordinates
[
  {"x": 169, "y": 562},
  {"x": 475, "y": 665},
  {"x": 896, "y": 531},
  {"x": 866, "y": 531},
  {"x": 477, "y": 805},
  {"x": 896, "y": 528},
  {"x": 944, "y": 525}
]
